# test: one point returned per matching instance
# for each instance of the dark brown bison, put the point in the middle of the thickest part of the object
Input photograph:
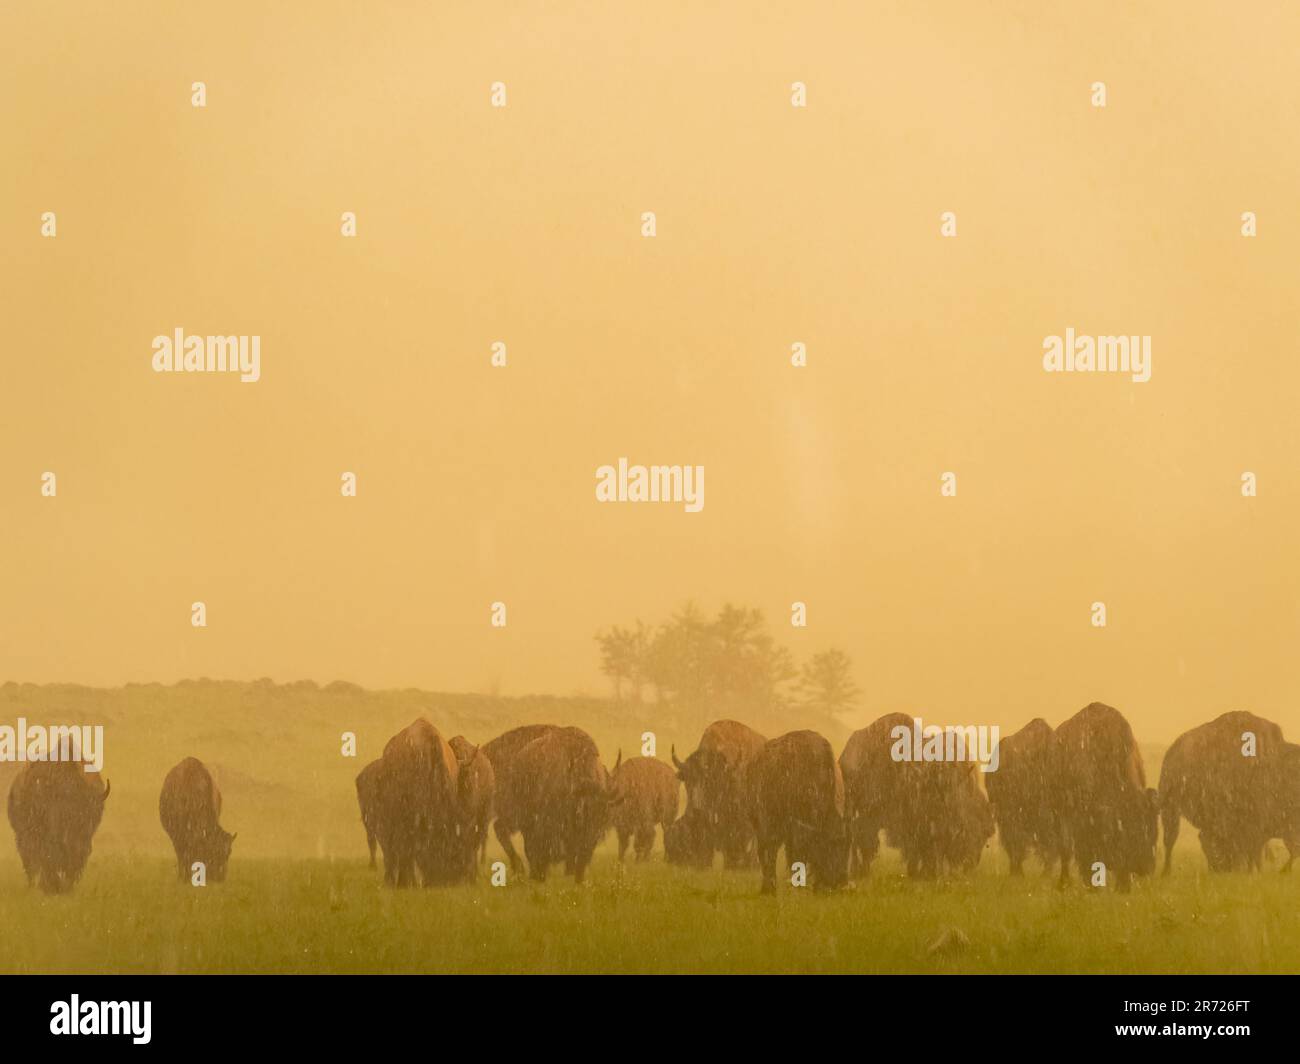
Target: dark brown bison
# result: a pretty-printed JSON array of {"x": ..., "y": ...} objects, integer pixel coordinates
[
  {"x": 871, "y": 781},
  {"x": 501, "y": 752},
  {"x": 971, "y": 827},
  {"x": 1020, "y": 792},
  {"x": 796, "y": 798},
  {"x": 477, "y": 789},
  {"x": 190, "y": 808},
  {"x": 1235, "y": 780},
  {"x": 368, "y": 800},
  {"x": 559, "y": 795},
  {"x": 419, "y": 808},
  {"x": 939, "y": 819},
  {"x": 715, "y": 785},
  {"x": 933, "y": 812},
  {"x": 688, "y": 841},
  {"x": 646, "y": 789},
  {"x": 54, "y": 809},
  {"x": 1105, "y": 813}
]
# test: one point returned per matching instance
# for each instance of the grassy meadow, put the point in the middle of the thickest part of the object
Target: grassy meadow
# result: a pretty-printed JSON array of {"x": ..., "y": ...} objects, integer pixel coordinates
[
  {"x": 300, "y": 897},
  {"x": 308, "y": 916}
]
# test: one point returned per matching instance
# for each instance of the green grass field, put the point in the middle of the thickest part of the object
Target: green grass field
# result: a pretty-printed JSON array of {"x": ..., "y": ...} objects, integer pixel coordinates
[
  {"x": 301, "y": 899},
  {"x": 303, "y": 916}
]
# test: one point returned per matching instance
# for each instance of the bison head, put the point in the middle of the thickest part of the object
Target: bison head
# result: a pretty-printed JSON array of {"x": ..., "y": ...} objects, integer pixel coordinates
[
  {"x": 708, "y": 782},
  {"x": 686, "y": 841},
  {"x": 218, "y": 856}
]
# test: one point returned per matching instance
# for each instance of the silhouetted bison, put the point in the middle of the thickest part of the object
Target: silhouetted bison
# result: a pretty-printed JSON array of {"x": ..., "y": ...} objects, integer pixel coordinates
[
  {"x": 796, "y": 795},
  {"x": 477, "y": 790},
  {"x": 190, "y": 808},
  {"x": 1104, "y": 811},
  {"x": 1235, "y": 779},
  {"x": 1020, "y": 792},
  {"x": 961, "y": 847},
  {"x": 501, "y": 752},
  {"x": 54, "y": 809},
  {"x": 933, "y": 811},
  {"x": 938, "y": 818},
  {"x": 419, "y": 808},
  {"x": 646, "y": 789},
  {"x": 872, "y": 786},
  {"x": 688, "y": 841},
  {"x": 368, "y": 800},
  {"x": 715, "y": 785},
  {"x": 558, "y": 794}
]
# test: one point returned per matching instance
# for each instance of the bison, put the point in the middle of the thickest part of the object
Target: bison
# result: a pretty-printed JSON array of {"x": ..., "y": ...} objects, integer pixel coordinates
[
  {"x": 933, "y": 812},
  {"x": 1020, "y": 794},
  {"x": 715, "y": 785},
  {"x": 477, "y": 789},
  {"x": 688, "y": 840},
  {"x": 796, "y": 799},
  {"x": 368, "y": 800},
  {"x": 501, "y": 752},
  {"x": 871, "y": 777},
  {"x": 54, "y": 809},
  {"x": 190, "y": 808},
  {"x": 970, "y": 828},
  {"x": 1239, "y": 796},
  {"x": 1104, "y": 812},
  {"x": 559, "y": 795},
  {"x": 646, "y": 789},
  {"x": 419, "y": 808}
]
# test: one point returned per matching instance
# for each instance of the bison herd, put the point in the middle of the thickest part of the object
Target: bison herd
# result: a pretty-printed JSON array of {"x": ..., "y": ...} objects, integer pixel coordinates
[{"x": 1077, "y": 797}]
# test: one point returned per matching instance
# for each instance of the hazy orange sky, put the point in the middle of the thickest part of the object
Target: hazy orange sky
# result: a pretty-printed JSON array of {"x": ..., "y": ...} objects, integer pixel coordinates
[{"x": 776, "y": 225}]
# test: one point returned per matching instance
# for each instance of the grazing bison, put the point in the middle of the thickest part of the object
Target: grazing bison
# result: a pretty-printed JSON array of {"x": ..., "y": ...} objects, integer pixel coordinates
[
  {"x": 871, "y": 781},
  {"x": 477, "y": 789},
  {"x": 190, "y": 808},
  {"x": 933, "y": 811},
  {"x": 971, "y": 828},
  {"x": 419, "y": 808},
  {"x": 559, "y": 795},
  {"x": 796, "y": 795},
  {"x": 715, "y": 785},
  {"x": 54, "y": 809},
  {"x": 1020, "y": 792},
  {"x": 1234, "y": 779},
  {"x": 368, "y": 800},
  {"x": 646, "y": 789},
  {"x": 688, "y": 841},
  {"x": 501, "y": 752},
  {"x": 938, "y": 818},
  {"x": 1104, "y": 811}
]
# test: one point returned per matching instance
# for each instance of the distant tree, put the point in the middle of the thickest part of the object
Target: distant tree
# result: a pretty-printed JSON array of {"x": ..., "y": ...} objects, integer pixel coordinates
[
  {"x": 826, "y": 684},
  {"x": 624, "y": 656},
  {"x": 692, "y": 659}
]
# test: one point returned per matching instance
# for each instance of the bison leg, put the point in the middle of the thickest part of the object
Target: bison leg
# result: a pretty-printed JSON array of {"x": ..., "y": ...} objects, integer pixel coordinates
[
  {"x": 1063, "y": 854},
  {"x": 370, "y": 841},
  {"x": 767, "y": 850},
  {"x": 503, "y": 833},
  {"x": 1170, "y": 822},
  {"x": 644, "y": 842},
  {"x": 539, "y": 860},
  {"x": 1016, "y": 851},
  {"x": 623, "y": 839}
]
